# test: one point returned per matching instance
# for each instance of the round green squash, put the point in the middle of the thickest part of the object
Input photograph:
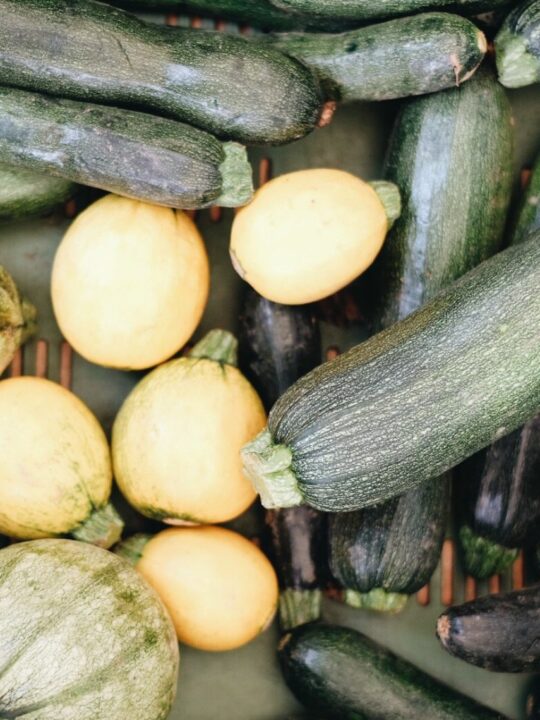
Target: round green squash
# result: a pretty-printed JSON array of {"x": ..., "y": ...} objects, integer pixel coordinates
[{"x": 83, "y": 636}]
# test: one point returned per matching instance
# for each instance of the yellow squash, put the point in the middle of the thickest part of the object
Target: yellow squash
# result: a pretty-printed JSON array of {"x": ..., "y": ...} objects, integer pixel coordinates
[
  {"x": 55, "y": 469},
  {"x": 307, "y": 234},
  {"x": 177, "y": 438},
  {"x": 219, "y": 588},
  {"x": 130, "y": 282}
]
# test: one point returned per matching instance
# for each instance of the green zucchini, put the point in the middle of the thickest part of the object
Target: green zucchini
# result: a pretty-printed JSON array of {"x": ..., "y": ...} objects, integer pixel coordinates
[
  {"x": 219, "y": 82},
  {"x": 338, "y": 671},
  {"x": 128, "y": 153},
  {"x": 407, "y": 56},
  {"x": 517, "y": 46},
  {"x": 528, "y": 218},
  {"x": 412, "y": 401},
  {"x": 25, "y": 193}
]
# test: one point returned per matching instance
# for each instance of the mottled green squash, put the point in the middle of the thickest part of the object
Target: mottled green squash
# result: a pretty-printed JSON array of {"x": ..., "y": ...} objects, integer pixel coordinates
[
  {"x": 517, "y": 46},
  {"x": 24, "y": 193}
]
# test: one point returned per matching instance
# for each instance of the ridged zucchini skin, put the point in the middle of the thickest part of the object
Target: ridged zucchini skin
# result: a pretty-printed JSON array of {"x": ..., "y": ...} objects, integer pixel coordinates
[
  {"x": 451, "y": 156},
  {"x": 528, "y": 219},
  {"x": 125, "y": 152},
  {"x": 390, "y": 548},
  {"x": 84, "y": 637},
  {"x": 496, "y": 632},
  {"x": 517, "y": 46},
  {"x": 24, "y": 193},
  {"x": 338, "y": 671},
  {"x": 407, "y": 56},
  {"x": 277, "y": 345},
  {"x": 219, "y": 82},
  {"x": 498, "y": 501},
  {"x": 414, "y": 400}
]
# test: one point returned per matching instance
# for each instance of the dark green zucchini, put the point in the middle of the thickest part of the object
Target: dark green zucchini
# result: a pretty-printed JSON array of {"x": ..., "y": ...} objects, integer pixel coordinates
[
  {"x": 517, "y": 46},
  {"x": 383, "y": 554},
  {"x": 451, "y": 156},
  {"x": 340, "y": 672},
  {"x": 277, "y": 345},
  {"x": 496, "y": 632},
  {"x": 528, "y": 219},
  {"x": 220, "y": 82},
  {"x": 126, "y": 152},
  {"x": 412, "y": 401},
  {"x": 25, "y": 193},
  {"x": 408, "y": 56},
  {"x": 533, "y": 703}
]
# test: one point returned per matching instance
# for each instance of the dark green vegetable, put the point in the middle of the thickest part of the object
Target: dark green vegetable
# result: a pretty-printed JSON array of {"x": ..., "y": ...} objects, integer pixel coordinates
[
  {"x": 383, "y": 554},
  {"x": 408, "y": 56},
  {"x": 517, "y": 46},
  {"x": 528, "y": 219},
  {"x": 413, "y": 401},
  {"x": 24, "y": 193},
  {"x": 220, "y": 82},
  {"x": 128, "y": 153},
  {"x": 346, "y": 675},
  {"x": 495, "y": 632}
]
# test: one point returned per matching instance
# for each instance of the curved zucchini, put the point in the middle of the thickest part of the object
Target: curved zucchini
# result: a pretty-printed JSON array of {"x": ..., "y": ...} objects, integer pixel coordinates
[
  {"x": 383, "y": 554},
  {"x": 517, "y": 46},
  {"x": 345, "y": 674},
  {"x": 125, "y": 152},
  {"x": 495, "y": 632},
  {"x": 24, "y": 193},
  {"x": 277, "y": 345},
  {"x": 408, "y": 56},
  {"x": 528, "y": 219},
  {"x": 414, "y": 400},
  {"x": 219, "y": 82}
]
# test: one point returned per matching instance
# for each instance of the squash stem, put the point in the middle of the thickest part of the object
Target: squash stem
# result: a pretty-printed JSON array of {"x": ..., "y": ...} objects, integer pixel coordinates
[
  {"x": 390, "y": 198},
  {"x": 103, "y": 527},
  {"x": 218, "y": 345},
  {"x": 268, "y": 466},
  {"x": 236, "y": 176},
  {"x": 298, "y": 607},
  {"x": 132, "y": 548},
  {"x": 516, "y": 66},
  {"x": 376, "y": 599},
  {"x": 483, "y": 558}
]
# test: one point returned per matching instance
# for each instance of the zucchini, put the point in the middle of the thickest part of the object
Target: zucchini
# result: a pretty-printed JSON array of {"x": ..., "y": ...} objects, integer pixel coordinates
[
  {"x": 128, "y": 153},
  {"x": 412, "y": 401},
  {"x": 25, "y": 193},
  {"x": 407, "y": 56},
  {"x": 219, "y": 82},
  {"x": 533, "y": 704},
  {"x": 278, "y": 344},
  {"x": 345, "y": 674},
  {"x": 528, "y": 219},
  {"x": 496, "y": 632},
  {"x": 451, "y": 156},
  {"x": 383, "y": 554},
  {"x": 517, "y": 46}
]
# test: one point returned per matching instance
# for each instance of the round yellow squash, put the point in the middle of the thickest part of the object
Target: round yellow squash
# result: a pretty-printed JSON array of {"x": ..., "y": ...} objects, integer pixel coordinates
[
  {"x": 220, "y": 590},
  {"x": 307, "y": 234},
  {"x": 55, "y": 469},
  {"x": 176, "y": 441},
  {"x": 130, "y": 282}
]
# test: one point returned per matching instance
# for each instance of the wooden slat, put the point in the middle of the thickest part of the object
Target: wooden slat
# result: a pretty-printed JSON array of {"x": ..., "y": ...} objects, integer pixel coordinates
[
  {"x": 216, "y": 213},
  {"x": 423, "y": 596},
  {"x": 265, "y": 170},
  {"x": 66, "y": 365},
  {"x": 470, "y": 589},
  {"x": 447, "y": 572},
  {"x": 494, "y": 584},
  {"x": 16, "y": 367},
  {"x": 42, "y": 358},
  {"x": 518, "y": 572}
]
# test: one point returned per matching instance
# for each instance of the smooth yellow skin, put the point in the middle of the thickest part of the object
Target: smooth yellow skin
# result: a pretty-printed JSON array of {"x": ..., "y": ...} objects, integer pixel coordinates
[
  {"x": 130, "y": 282},
  {"x": 177, "y": 440},
  {"x": 219, "y": 588},
  {"x": 307, "y": 234},
  {"x": 55, "y": 461}
]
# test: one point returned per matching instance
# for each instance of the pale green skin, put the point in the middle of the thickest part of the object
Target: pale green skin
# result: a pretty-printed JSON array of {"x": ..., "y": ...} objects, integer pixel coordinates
[{"x": 83, "y": 637}]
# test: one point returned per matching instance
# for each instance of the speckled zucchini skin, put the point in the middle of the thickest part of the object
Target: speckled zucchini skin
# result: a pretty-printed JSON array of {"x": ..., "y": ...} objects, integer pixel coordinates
[
  {"x": 517, "y": 46},
  {"x": 338, "y": 671},
  {"x": 421, "y": 396},
  {"x": 528, "y": 219},
  {"x": 495, "y": 632},
  {"x": 394, "y": 546},
  {"x": 84, "y": 637},
  {"x": 216, "y": 81},
  {"x": 407, "y": 56},
  {"x": 122, "y": 151},
  {"x": 24, "y": 193}
]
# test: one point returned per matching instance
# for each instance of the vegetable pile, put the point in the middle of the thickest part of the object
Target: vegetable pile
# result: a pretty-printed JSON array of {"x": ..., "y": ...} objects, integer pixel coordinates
[{"x": 363, "y": 463}]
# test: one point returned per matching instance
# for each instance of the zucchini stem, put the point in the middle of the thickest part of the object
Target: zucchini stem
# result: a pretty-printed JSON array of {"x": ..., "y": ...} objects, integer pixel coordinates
[
  {"x": 103, "y": 527},
  {"x": 516, "y": 66},
  {"x": 483, "y": 558},
  {"x": 390, "y": 198},
  {"x": 132, "y": 548},
  {"x": 298, "y": 607},
  {"x": 236, "y": 175},
  {"x": 218, "y": 345},
  {"x": 377, "y": 599}
]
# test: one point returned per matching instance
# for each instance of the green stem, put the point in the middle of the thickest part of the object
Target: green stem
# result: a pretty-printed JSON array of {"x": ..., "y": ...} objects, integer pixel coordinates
[
  {"x": 103, "y": 527},
  {"x": 483, "y": 558},
  {"x": 268, "y": 466},
  {"x": 298, "y": 607},
  {"x": 516, "y": 66},
  {"x": 218, "y": 345},
  {"x": 376, "y": 599},
  {"x": 390, "y": 198},
  {"x": 132, "y": 548},
  {"x": 236, "y": 175}
]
